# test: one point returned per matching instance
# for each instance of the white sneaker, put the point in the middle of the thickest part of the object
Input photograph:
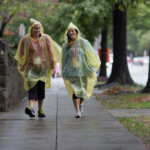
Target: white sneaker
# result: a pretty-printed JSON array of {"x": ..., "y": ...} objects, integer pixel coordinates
[
  {"x": 78, "y": 114},
  {"x": 81, "y": 108}
]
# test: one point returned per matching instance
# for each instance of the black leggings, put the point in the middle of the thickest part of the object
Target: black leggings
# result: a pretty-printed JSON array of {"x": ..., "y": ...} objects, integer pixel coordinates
[{"x": 37, "y": 92}]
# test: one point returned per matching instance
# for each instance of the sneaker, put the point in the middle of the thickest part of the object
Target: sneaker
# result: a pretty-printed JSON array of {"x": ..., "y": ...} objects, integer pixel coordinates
[
  {"x": 81, "y": 108},
  {"x": 30, "y": 112},
  {"x": 78, "y": 114},
  {"x": 41, "y": 113}
]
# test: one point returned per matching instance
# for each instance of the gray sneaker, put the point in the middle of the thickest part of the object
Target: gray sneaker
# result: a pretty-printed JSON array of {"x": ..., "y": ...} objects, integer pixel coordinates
[{"x": 78, "y": 114}]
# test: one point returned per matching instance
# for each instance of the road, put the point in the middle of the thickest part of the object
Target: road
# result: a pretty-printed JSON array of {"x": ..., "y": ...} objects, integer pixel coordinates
[{"x": 138, "y": 73}]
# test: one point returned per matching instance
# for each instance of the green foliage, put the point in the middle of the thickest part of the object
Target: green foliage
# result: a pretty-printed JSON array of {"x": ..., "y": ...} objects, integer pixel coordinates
[
  {"x": 11, "y": 9},
  {"x": 138, "y": 17},
  {"x": 90, "y": 16},
  {"x": 87, "y": 15},
  {"x": 139, "y": 28},
  {"x": 12, "y": 53}
]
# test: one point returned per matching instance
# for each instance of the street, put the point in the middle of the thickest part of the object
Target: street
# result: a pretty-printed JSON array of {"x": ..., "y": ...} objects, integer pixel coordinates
[{"x": 139, "y": 73}]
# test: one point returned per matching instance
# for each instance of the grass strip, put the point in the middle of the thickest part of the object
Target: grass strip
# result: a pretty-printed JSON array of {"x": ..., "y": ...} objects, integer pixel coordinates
[
  {"x": 139, "y": 126},
  {"x": 124, "y": 101}
]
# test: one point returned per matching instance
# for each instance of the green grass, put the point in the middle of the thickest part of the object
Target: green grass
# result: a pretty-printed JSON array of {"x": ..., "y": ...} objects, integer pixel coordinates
[
  {"x": 124, "y": 101},
  {"x": 139, "y": 126}
]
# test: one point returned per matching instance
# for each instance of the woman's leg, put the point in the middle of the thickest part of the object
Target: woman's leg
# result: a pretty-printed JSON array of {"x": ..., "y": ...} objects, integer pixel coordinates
[
  {"x": 77, "y": 103},
  {"x": 81, "y": 101},
  {"x": 40, "y": 110},
  {"x": 81, "y": 105},
  {"x": 40, "y": 104},
  {"x": 32, "y": 96},
  {"x": 32, "y": 103},
  {"x": 32, "y": 100},
  {"x": 41, "y": 96},
  {"x": 40, "y": 93}
]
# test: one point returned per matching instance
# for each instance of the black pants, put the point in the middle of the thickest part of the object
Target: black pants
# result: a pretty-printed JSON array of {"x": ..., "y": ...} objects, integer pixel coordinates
[
  {"x": 75, "y": 97},
  {"x": 37, "y": 92}
]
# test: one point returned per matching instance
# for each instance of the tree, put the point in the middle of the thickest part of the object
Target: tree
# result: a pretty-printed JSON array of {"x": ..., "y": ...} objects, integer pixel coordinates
[
  {"x": 103, "y": 72},
  {"x": 8, "y": 9},
  {"x": 120, "y": 72},
  {"x": 146, "y": 89}
]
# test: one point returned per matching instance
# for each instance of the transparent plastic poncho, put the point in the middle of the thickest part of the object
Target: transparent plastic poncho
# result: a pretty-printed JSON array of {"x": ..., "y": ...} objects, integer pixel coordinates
[
  {"x": 36, "y": 58},
  {"x": 79, "y": 63}
]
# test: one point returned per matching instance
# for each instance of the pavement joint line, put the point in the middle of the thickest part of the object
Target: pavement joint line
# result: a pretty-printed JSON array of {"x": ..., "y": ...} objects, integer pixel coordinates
[{"x": 56, "y": 117}]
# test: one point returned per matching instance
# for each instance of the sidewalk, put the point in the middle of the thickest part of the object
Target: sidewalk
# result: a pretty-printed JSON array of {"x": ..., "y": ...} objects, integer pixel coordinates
[
  {"x": 96, "y": 130},
  {"x": 129, "y": 112}
]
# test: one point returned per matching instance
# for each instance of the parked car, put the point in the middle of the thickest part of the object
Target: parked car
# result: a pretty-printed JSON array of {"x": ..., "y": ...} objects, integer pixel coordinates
[
  {"x": 128, "y": 59},
  {"x": 138, "y": 61}
]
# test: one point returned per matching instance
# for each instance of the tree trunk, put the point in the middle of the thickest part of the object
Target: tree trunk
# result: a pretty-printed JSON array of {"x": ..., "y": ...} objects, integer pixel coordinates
[
  {"x": 120, "y": 72},
  {"x": 2, "y": 29},
  {"x": 147, "y": 87},
  {"x": 103, "y": 53},
  {"x": 4, "y": 23}
]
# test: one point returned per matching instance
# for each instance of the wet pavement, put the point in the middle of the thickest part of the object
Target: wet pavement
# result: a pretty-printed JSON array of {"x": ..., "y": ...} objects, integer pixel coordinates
[{"x": 96, "y": 130}]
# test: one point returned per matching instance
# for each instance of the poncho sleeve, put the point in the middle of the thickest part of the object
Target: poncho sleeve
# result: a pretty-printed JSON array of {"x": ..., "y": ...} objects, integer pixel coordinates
[
  {"x": 21, "y": 55},
  {"x": 54, "y": 51},
  {"x": 62, "y": 57},
  {"x": 91, "y": 56},
  {"x": 50, "y": 51}
]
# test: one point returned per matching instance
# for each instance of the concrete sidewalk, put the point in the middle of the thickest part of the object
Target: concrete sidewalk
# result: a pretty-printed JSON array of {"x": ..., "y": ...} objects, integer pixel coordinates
[
  {"x": 129, "y": 112},
  {"x": 96, "y": 130}
]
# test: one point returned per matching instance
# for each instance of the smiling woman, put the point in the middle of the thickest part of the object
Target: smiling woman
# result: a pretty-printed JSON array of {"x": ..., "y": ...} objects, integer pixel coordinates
[
  {"x": 37, "y": 55},
  {"x": 79, "y": 65}
]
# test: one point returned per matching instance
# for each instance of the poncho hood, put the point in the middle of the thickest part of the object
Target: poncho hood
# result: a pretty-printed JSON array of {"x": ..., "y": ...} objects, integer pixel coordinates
[
  {"x": 34, "y": 22},
  {"x": 71, "y": 25}
]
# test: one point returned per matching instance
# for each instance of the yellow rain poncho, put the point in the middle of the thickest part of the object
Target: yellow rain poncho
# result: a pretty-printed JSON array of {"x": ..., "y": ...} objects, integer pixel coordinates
[
  {"x": 79, "y": 64},
  {"x": 37, "y": 58}
]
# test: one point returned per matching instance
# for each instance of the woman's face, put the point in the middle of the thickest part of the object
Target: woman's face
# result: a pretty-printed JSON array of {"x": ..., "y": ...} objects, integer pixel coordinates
[
  {"x": 36, "y": 30},
  {"x": 72, "y": 34}
]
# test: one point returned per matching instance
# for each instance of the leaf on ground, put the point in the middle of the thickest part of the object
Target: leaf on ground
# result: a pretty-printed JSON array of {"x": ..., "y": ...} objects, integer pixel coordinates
[
  {"x": 140, "y": 99},
  {"x": 119, "y": 90}
]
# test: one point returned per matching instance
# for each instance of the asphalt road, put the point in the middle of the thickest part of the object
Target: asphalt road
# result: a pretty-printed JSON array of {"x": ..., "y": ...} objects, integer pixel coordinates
[{"x": 139, "y": 73}]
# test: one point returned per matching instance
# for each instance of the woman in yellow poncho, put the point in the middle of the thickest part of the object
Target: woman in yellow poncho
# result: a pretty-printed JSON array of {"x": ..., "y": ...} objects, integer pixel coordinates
[
  {"x": 37, "y": 55},
  {"x": 79, "y": 65}
]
